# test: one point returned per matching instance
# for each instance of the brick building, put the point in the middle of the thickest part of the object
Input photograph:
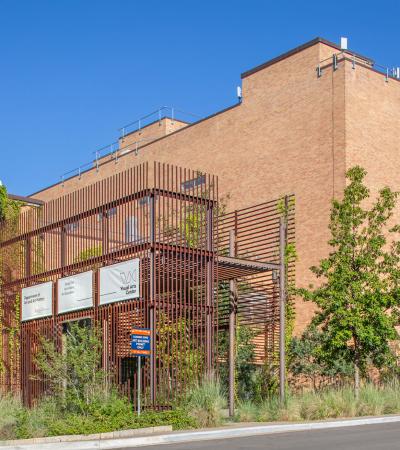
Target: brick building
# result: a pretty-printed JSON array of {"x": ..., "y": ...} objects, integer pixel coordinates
[{"x": 305, "y": 118}]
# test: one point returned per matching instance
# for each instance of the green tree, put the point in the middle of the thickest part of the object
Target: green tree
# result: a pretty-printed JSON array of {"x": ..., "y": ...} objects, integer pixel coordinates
[
  {"x": 74, "y": 374},
  {"x": 9, "y": 209},
  {"x": 358, "y": 299}
]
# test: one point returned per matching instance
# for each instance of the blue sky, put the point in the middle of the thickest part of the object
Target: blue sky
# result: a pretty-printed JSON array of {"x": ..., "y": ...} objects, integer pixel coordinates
[{"x": 74, "y": 71}]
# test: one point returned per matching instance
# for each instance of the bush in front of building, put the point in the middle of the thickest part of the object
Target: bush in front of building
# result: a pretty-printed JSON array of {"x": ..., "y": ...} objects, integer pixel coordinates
[
  {"x": 74, "y": 377},
  {"x": 309, "y": 369},
  {"x": 81, "y": 397},
  {"x": 46, "y": 419},
  {"x": 116, "y": 413}
]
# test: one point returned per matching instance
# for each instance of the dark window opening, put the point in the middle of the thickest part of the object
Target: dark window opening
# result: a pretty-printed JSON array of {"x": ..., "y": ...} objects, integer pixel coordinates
[
  {"x": 190, "y": 184},
  {"x": 128, "y": 370}
]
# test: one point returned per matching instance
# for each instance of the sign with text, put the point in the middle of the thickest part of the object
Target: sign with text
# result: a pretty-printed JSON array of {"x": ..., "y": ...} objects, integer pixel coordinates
[
  {"x": 75, "y": 292},
  {"x": 37, "y": 301},
  {"x": 140, "y": 342},
  {"x": 120, "y": 282}
]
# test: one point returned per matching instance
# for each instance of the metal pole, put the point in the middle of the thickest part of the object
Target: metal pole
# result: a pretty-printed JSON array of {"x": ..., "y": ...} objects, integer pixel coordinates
[
  {"x": 152, "y": 304},
  {"x": 210, "y": 292},
  {"x": 63, "y": 247},
  {"x": 232, "y": 330},
  {"x": 282, "y": 307},
  {"x": 28, "y": 250},
  {"x": 139, "y": 386},
  {"x": 335, "y": 62}
]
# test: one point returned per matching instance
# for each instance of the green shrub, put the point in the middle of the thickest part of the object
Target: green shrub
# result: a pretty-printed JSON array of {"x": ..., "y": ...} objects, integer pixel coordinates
[
  {"x": 35, "y": 422},
  {"x": 74, "y": 375},
  {"x": 82, "y": 398},
  {"x": 48, "y": 419},
  {"x": 178, "y": 418},
  {"x": 307, "y": 364}
]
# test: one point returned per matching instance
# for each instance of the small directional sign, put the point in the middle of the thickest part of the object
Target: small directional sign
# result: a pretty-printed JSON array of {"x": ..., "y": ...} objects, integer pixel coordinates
[{"x": 140, "y": 342}]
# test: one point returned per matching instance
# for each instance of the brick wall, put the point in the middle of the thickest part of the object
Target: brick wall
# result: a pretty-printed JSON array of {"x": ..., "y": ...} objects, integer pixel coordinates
[{"x": 295, "y": 133}]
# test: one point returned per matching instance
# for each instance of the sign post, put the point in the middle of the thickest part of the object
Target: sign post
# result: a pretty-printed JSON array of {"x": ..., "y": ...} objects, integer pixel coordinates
[
  {"x": 140, "y": 346},
  {"x": 139, "y": 387}
]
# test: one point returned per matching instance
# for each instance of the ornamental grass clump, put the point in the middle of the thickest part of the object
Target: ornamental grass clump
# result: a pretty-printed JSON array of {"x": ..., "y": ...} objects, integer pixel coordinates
[
  {"x": 204, "y": 402},
  {"x": 10, "y": 412},
  {"x": 325, "y": 404},
  {"x": 248, "y": 411}
]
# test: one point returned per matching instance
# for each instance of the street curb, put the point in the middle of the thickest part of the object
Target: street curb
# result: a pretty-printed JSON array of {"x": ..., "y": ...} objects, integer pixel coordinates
[
  {"x": 108, "y": 444},
  {"x": 111, "y": 435}
]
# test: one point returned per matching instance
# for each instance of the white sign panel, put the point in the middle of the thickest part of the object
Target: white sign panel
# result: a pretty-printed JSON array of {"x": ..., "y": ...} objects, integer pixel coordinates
[
  {"x": 120, "y": 282},
  {"x": 75, "y": 292},
  {"x": 37, "y": 301}
]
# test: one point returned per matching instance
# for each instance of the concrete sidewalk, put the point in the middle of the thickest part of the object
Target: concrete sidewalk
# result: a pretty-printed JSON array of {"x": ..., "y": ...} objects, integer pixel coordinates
[{"x": 233, "y": 431}]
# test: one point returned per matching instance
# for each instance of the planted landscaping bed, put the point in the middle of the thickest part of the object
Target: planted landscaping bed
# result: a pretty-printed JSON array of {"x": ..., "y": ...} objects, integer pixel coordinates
[{"x": 329, "y": 403}]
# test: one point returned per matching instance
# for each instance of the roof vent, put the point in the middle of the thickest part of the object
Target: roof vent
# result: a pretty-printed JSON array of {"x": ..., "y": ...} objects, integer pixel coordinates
[{"x": 343, "y": 43}]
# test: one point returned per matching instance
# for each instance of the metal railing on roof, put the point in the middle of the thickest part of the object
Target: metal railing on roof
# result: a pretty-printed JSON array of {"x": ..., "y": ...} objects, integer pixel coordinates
[
  {"x": 115, "y": 151},
  {"x": 388, "y": 72},
  {"x": 159, "y": 114}
]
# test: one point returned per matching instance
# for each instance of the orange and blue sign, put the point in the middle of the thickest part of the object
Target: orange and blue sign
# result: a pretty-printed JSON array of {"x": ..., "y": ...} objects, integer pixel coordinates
[{"x": 140, "y": 342}]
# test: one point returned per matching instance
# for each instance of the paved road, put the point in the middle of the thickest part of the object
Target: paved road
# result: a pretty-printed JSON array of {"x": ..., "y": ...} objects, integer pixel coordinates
[{"x": 365, "y": 437}]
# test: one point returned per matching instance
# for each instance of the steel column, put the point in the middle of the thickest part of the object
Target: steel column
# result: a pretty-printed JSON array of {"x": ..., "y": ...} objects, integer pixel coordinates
[
  {"x": 63, "y": 246},
  {"x": 152, "y": 312},
  {"x": 105, "y": 233},
  {"x": 210, "y": 290},
  {"x": 232, "y": 330},
  {"x": 28, "y": 251},
  {"x": 282, "y": 307}
]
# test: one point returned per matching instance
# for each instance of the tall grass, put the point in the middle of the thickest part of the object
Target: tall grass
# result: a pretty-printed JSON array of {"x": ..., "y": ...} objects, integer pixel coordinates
[
  {"x": 204, "y": 402},
  {"x": 10, "y": 411},
  {"x": 327, "y": 404},
  {"x": 202, "y": 407}
]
